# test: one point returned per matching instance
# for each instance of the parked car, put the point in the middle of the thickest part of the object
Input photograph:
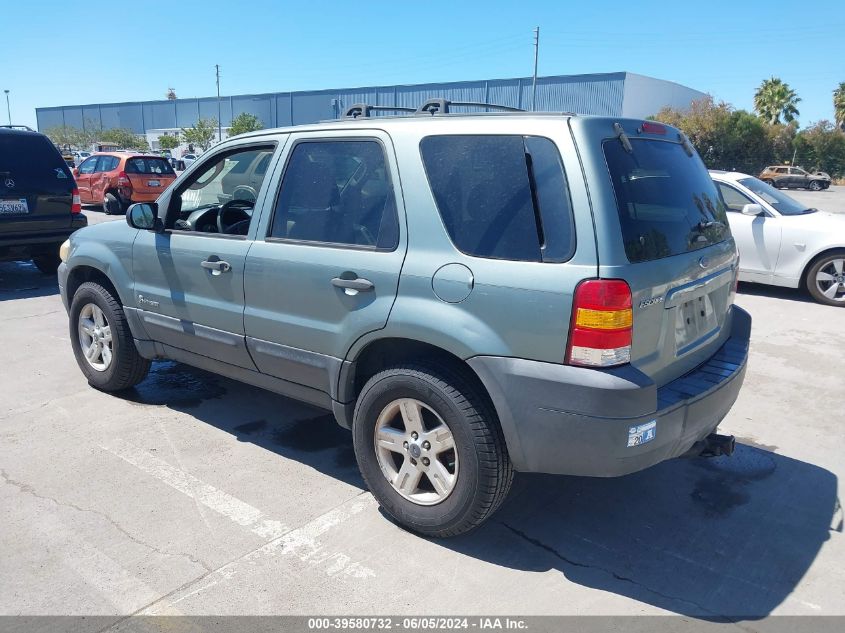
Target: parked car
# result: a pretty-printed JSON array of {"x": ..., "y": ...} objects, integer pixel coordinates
[
  {"x": 786, "y": 177},
  {"x": 421, "y": 277},
  {"x": 39, "y": 202},
  {"x": 116, "y": 179},
  {"x": 189, "y": 159},
  {"x": 78, "y": 157},
  {"x": 781, "y": 241},
  {"x": 177, "y": 163}
]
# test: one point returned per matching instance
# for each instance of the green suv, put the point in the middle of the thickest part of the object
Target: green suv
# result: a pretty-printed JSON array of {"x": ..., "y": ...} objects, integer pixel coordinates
[{"x": 470, "y": 294}]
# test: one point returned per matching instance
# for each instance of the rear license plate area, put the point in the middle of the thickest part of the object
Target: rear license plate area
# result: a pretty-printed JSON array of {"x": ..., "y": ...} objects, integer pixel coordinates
[
  {"x": 154, "y": 183},
  {"x": 13, "y": 206},
  {"x": 695, "y": 321}
]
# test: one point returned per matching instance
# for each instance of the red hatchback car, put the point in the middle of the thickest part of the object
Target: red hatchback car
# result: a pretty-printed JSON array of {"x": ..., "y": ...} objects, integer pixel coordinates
[{"x": 117, "y": 179}]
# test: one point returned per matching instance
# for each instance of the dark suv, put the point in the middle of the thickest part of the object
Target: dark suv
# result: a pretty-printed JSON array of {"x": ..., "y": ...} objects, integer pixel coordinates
[{"x": 39, "y": 202}]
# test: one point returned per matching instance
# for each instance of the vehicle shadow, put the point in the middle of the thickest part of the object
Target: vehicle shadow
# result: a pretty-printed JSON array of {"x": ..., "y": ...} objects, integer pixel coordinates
[
  {"x": 775, "y": 292},
  {"x": 22, "y": 280},
  {"x": 289, "y": 428},
  {"x": 722, "y": 539}
]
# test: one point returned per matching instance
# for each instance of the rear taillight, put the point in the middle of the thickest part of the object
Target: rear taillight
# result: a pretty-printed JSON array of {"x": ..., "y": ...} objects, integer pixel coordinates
[
  {"x": 123, "y": 180},
  {"x": 602, "y": 323},
  {"x": 76, "y": 202}
]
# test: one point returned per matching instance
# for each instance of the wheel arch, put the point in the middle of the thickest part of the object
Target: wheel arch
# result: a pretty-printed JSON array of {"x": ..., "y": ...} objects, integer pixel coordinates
[
  {"x": 827, "y": 250},
  {"x": 381, "y": 353},
  {"x": 78, "y": 275}
]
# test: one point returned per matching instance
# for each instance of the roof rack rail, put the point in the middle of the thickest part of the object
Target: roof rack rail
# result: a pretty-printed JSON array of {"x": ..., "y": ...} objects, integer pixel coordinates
[
  {"x": 18, "y": 127},
  {"x": 443, "y": 106},
  {"x": 362, "y": 110}
]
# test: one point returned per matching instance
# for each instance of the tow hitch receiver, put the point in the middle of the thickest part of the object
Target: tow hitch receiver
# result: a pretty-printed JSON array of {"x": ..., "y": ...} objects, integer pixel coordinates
[{"x": 714, "y": 445}]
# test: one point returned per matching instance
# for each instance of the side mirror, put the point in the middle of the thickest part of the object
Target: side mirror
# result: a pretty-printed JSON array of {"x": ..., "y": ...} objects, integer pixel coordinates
[
  {"x": 752, "y": 209},
  {"x": 143, "y": 215}
]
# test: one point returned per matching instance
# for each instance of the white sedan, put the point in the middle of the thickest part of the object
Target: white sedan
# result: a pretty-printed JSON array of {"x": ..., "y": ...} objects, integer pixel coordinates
[{"x": 781, "y": 241}]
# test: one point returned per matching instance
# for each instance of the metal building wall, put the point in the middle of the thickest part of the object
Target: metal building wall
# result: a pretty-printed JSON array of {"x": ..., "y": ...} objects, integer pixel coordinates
[{"x": 583, "y": 94}]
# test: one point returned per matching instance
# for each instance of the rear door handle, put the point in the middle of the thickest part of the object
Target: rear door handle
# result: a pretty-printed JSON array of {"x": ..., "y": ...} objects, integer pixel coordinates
[
  {"x": 358, "y": 284},
  {"x": 218, "y": 266}
]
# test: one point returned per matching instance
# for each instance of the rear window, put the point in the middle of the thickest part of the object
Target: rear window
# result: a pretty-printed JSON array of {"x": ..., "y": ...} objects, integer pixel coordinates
[
  {"x": 501, "y": 197},
  {"x": 29, "y": 159},
  {"x": 666, "y": 200},
  {"x": 149, "y": 166}
]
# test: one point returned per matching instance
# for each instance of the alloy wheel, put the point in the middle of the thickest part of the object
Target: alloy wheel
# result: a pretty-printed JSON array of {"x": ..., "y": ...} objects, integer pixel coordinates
[
  {"x": 95, "y": 337},
  {"x": 416, "y": 452},
  {"x": 830, "y": 280}
]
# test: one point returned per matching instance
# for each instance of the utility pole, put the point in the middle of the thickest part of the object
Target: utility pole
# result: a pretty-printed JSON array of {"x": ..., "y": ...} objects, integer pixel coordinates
[
  {"x": 534, "y": 82},
  {"x": 219, "y": 122},
  {"x": 8, "y": 108}
]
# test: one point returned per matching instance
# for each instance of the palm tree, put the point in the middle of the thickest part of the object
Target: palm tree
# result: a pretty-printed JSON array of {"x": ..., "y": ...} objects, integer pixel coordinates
[
  {"x": 774, "y": 99},
  {"x": 839, "y": 105}
]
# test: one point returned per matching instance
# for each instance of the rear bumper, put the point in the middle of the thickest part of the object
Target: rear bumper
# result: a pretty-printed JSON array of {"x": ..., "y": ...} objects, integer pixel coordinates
[
  {"x": 24, "y": 245},
  {"x": 575, "y": 421}
]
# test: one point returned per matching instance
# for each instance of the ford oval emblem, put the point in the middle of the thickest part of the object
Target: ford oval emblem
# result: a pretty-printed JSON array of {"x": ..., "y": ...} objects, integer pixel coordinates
[
  {"x": 704, "y": 262},
  {"x": 10, "y": 184}
]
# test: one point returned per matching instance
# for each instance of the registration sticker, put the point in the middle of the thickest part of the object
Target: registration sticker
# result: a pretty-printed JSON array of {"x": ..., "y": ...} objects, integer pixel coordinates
[{"x": 638, "y": 435}]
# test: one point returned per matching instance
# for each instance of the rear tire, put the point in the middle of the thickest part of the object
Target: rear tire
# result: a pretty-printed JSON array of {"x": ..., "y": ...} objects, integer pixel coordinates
[
  {"x": 112, "y": 205},
  {"x": 825, "y": 279},
  {"x": 477, "y": 470},
  {"x": 95, "y": 308},
  {"x": 47, "y": 263}
]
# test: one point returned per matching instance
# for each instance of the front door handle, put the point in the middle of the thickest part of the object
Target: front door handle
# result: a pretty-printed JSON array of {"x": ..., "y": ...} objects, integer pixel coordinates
[
  {"x": 356, "y": 285},
  {"x": 216, "y": 266}
]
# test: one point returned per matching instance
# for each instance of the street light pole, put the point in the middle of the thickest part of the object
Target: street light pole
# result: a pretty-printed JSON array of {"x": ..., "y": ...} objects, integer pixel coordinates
[
  {"x": 219, "y": 122},
  {"x": 8, "y": 108},
  {"x": 534, "y": 80}
]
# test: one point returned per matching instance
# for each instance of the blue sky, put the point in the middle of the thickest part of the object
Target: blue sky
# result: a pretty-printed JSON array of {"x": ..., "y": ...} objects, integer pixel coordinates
[{"x": 61, "y": 52}]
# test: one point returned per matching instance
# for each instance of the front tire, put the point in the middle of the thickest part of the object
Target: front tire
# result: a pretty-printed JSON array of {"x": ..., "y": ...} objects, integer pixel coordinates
[
  {"x": 825, "y": 279},
  {"x": 815, "y": 185},
  {"x": 430, "y": 449},
  {"x": 102, "y": 342}
]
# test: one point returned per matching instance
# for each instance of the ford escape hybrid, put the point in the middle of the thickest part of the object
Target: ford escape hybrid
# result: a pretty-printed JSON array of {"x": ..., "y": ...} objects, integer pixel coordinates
[{"x": 470, "y": 294}]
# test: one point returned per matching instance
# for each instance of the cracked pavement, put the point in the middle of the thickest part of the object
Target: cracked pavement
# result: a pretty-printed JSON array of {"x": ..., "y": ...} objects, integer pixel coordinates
[{"x": 198, "y": 495}]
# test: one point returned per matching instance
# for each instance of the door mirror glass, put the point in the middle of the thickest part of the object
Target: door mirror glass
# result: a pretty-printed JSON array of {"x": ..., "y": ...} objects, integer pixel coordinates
[
  {"x": 752, "y": 209},
  {"x": 141, "y": 215}
]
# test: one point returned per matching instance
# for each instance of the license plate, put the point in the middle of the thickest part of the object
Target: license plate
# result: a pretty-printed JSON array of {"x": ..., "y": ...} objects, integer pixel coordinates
[
  {"x": 153, "y": 183},
  {"x": 14, "y": 207},
  {"x": 642, "y": 434}
]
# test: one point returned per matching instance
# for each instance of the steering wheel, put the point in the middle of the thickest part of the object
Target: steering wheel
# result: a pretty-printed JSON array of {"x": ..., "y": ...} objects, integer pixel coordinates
[{"x": 234, "y": 226}]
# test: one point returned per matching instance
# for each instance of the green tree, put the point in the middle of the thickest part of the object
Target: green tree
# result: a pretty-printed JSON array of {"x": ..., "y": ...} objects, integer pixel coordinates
[
  {"x": 782, "y": 141},
  {"x": 124, "y": 138},
  {"x": 774, "y": 99},
  {"x": 839, "y": 105},
  {"x": 822, "y": 146},
  {"x": 169, "y": 141},
  {"x": 63, "y": 135},
  {"x": 201, "y": 133},
  {"x": 245, "y": 122}
]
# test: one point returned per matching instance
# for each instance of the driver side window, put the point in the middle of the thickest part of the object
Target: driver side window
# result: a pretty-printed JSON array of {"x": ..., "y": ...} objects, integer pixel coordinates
[{"x": 220, "y": 196}]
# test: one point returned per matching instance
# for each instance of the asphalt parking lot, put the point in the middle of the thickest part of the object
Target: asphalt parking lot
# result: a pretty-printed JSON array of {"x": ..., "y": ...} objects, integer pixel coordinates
[{"x": 194, "y": 494}]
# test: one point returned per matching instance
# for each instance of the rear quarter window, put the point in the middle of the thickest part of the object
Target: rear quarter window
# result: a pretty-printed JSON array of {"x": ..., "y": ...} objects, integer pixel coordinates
[
  {"x": 666, "y": 200},
  {"x": 501, "y": 197}
]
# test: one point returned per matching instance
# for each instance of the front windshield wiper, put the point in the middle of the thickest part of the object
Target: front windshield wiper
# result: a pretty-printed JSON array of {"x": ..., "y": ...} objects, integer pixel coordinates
[{"x": 809, "y": 210}]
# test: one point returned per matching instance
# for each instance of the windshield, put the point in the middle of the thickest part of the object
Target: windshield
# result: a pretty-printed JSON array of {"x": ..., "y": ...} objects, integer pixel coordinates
[
  {"x": 666, "y": 200},
  {"x": 782, "y": 203}
]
